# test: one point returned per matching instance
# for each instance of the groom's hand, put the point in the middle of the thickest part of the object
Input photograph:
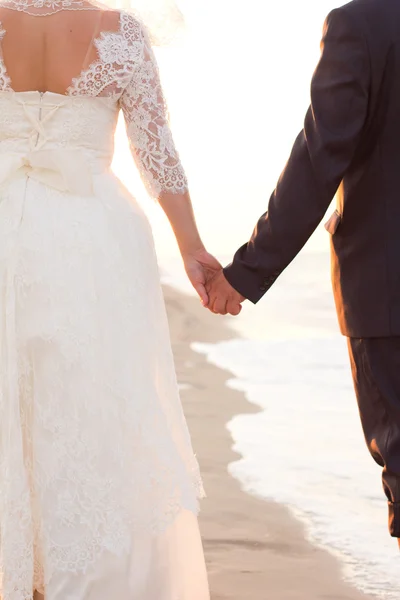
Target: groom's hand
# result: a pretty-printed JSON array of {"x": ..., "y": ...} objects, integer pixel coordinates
[{"x": 222, "y": 297}]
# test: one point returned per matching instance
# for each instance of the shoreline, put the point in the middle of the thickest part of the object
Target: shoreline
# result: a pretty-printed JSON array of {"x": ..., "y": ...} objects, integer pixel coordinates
[{"x": 254, "y": 548}]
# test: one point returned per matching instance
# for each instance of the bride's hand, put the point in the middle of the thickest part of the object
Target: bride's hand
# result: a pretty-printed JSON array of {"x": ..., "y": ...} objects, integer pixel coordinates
[{"x": 201, "y": 267}]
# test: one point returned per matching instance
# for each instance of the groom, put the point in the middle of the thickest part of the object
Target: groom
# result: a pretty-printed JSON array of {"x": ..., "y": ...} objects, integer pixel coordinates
[{"x": 350, "y": 141}]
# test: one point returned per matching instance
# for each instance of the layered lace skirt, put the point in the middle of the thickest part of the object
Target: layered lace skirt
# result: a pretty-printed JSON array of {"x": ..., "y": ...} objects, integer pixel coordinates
[{"x": 99, "y": 486}]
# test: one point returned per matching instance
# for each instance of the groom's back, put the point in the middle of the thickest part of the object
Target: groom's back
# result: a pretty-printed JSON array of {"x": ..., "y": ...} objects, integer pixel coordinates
[
  {"x": 366, "y": 242},
  {"x": 350, "y": 141}
]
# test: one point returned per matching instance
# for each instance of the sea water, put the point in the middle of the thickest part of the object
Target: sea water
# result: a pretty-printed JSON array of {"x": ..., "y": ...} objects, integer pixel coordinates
[{"x": 305, "y": 447}]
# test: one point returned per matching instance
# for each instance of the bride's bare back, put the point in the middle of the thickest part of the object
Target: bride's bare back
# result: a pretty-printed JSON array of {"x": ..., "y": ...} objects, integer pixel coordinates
[{"x": 47, "y": 54}]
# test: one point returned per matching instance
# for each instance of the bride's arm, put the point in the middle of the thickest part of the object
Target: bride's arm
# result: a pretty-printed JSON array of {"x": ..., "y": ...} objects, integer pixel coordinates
[
  {"x": 200, "y": 266},
  {"x": 157, "y": 159}
]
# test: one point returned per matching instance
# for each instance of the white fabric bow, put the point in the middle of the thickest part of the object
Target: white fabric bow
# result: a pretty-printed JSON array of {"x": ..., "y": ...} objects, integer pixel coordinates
[{"x": 62, "y": 169}]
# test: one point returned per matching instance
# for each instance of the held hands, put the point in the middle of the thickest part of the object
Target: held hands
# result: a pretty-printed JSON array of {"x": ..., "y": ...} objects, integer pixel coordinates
[
  {"x": 201, "y": 267},
  {"x": 223, "y": 299},
  {"x": 206, "y": 275}
]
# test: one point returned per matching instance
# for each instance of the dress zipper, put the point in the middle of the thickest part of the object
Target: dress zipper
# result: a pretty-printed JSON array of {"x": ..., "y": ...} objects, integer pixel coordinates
[
  {"x": 40, "y": 116},
  {"x": 41, "y": 94}
]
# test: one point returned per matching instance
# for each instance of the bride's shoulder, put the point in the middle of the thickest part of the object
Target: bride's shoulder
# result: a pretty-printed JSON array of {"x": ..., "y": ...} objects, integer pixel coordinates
[
  {"x": 124, "y": 21},
  {"x": 131, "y": 26}
]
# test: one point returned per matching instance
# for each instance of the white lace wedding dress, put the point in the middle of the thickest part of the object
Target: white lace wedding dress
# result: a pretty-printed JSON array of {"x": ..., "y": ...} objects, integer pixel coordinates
[{"x": 99, "y": 486}]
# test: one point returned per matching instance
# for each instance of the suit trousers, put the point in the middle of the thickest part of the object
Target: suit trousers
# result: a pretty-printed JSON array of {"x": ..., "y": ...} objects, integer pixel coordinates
[{"x": 376, "y": 374}]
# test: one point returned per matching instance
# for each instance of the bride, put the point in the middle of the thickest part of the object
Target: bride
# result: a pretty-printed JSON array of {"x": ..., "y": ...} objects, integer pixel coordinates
[{"x": 99, "y": 486}]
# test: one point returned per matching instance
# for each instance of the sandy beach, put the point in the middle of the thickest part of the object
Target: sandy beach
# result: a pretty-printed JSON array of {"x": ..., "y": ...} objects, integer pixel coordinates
[{"x": 255, "y": 550}]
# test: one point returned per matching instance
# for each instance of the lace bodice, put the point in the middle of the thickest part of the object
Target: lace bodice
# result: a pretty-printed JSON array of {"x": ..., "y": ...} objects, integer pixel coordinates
[{"x": 126, "y": 75}]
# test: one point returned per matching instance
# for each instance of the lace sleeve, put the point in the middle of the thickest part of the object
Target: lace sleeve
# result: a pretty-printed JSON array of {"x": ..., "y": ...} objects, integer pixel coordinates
[{"x": 148, "y": 129}]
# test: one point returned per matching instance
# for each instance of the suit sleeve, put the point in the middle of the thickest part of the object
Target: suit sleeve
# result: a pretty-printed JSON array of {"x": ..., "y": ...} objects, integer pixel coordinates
[{"x": 320, "y": 157}]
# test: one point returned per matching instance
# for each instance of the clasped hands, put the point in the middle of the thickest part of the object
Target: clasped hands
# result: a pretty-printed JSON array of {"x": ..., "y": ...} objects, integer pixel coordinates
[{"x": 207, "y": 277}]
